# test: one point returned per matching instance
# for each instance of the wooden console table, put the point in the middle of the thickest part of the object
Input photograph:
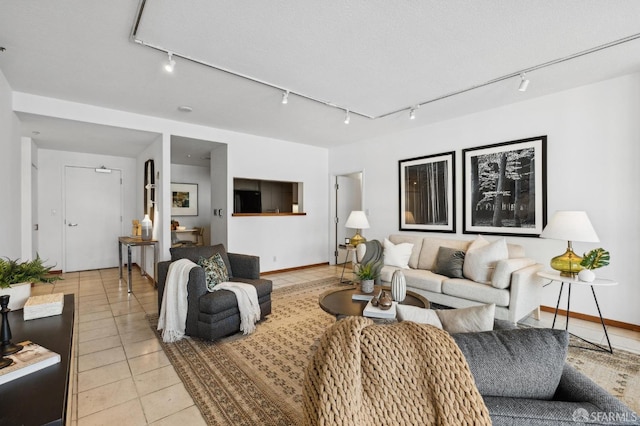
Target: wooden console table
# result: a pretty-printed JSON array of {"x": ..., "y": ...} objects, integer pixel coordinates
[{"x": 41, "y": 397}]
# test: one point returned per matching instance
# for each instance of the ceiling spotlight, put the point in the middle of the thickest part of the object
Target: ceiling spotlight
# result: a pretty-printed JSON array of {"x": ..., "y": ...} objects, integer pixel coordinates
[
  {"x": 347, "y": 117},
  {"x": 524, "y": 83},
  {"x": 412, "y": 114},
  {"x": 185, "y": 108},
  {"x": 171, "y": 63},
  {"x": 285, "y": 98}
]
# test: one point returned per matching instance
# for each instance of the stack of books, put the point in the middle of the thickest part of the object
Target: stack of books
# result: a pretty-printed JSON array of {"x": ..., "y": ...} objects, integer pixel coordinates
[
  {"x": 32, "y": 357},
  {"x": 375, "y": 312}
]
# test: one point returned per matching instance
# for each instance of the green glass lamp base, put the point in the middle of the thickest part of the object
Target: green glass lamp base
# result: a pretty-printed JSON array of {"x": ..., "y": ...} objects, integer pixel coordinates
[{"x": 568, "y": 264}]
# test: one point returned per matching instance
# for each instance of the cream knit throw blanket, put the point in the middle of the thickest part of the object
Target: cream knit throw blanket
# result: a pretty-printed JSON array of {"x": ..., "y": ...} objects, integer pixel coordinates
[
  {"x": 172, "y": 319},
  {"x": 399, "y": 374},
  {"x": 247, "y": 297}
]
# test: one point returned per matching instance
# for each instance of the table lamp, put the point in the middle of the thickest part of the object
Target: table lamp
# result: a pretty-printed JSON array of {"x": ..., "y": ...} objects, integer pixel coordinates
[
  {"x": 357, "y": 220},
  {"x": 569, "y": 226}
]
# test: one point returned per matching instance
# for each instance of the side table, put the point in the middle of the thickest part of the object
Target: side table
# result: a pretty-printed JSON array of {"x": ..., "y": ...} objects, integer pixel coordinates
[
  {"x": 137, "y": 242},
  {"x": 351, "y": 250},
  {"x": 555, "y": 276}
]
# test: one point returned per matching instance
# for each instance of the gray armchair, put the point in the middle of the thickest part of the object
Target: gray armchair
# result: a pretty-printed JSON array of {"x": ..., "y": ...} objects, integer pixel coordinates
[{"x": 214, "y": 315}]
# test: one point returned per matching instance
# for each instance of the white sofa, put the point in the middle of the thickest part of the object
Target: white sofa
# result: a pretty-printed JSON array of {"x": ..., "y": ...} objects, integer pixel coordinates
[{"x": 514, "y": 288}]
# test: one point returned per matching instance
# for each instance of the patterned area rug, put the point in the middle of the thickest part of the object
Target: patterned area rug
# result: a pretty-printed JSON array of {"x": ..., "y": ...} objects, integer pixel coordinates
[{"x": 257, "y": 379}]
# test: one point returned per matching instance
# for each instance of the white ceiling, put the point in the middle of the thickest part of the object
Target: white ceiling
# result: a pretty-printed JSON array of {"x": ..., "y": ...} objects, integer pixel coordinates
[{"x": 373, "y": 57}]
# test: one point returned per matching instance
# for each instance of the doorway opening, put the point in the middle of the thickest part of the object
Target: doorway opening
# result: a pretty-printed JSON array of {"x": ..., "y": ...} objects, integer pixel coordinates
[{"x": 349, "y": 197}]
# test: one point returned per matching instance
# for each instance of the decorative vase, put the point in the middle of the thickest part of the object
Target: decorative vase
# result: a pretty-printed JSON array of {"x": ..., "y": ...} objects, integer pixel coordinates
[
  {"x": 587, "y": 275},
  {"x": 19, "y": 293},
  {"x": 385, "y": 302},
  {"x": 147, "y": 228},
  {"x": 366, "y": 286},
  {"x": 398, "y": 286}
]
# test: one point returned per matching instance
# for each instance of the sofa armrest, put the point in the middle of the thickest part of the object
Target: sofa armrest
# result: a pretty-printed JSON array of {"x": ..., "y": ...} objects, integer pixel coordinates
[
  {"x": 196, "y": 288},
  {"x": 576, "y": 387},
  {"x": 244, "y": 265},
  {"x": 526, "y": 289},
  {"x": 163, "y": 269}
]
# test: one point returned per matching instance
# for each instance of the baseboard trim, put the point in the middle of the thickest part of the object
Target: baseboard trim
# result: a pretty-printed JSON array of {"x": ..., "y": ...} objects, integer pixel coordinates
[
  {"x": 297, "y": 268},
  {"x": 593, "y": 318}
]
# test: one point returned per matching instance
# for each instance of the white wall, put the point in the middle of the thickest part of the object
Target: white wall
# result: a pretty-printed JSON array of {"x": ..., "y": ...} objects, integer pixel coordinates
[
  {"x": 295, "y": 241},
  {"x": 281, "y": 241},
  {"x": 593, "y": 152},
  {"x": 51, "y": 166},
  {"x": 10, "y": 177},
  {"x": 201, "y": 176}
]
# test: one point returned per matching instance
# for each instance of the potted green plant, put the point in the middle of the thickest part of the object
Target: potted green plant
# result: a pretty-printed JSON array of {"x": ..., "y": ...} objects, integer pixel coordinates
[
  {"x": 367, "y": 273},
  {"x": 596, "y": 258},
  {"x": 16, "y": 278}
]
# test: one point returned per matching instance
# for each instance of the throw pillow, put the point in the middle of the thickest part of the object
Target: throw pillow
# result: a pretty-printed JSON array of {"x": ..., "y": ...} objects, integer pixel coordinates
[
  {"x": 397, "y": 254},
  {"x": 449, "y": 262},
  {"x": 465, "y": 320},
  {"x": 419, "y": 315},
  {"x": 215, "y": 270},
  {"x": 480, "y": 259},
  {"x": 520, "y": 363}
]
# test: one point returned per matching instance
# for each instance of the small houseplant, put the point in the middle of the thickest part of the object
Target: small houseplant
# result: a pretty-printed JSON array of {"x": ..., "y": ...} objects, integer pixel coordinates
[
  {"x": 16, "y": 278},
  {"x": 596, "y": 258},
  {"x": 367, "y": 273}
]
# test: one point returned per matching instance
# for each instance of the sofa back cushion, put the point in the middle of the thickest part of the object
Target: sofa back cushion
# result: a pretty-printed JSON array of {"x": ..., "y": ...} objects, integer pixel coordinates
[
  {"x": 195, "y": 253},
  {"x": 481, "y": 258},
  {"x": 411, "y": 239},
  {"x": 520, "y": 363},
  {"x": 430, "y": 247}
]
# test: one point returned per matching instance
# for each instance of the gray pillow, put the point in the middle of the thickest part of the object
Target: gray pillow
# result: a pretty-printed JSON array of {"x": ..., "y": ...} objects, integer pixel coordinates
[
  {"x": 449, "y": 262},
  {"x": 521, "y": 363}
]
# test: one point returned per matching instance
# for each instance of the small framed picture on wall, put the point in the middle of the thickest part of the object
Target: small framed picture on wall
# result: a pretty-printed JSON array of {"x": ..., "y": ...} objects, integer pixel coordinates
[{"x": 184, "y": 199}]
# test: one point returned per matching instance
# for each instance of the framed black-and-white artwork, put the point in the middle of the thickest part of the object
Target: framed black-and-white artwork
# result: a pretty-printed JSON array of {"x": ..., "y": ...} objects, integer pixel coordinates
[
  {"x": 505, "y": 188},
  {"x": 427, "y": 193},
  {"x": 184, "y": 199}
]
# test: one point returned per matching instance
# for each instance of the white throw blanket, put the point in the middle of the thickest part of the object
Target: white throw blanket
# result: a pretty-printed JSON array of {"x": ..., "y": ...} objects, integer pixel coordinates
[
  {"x": 173, "y": 311},
  {"x": 248, "y": 305}
]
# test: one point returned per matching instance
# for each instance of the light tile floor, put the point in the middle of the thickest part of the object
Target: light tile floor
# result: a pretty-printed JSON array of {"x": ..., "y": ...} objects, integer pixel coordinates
[{"x": 123, "y": 377}]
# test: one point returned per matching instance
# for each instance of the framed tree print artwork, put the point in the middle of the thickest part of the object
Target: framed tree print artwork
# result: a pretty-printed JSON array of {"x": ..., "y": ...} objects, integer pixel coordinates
[
  {"x": 427, "y": 193},
  {"x": 184, "y": 199},
  {"x": 505, "y": 188}
]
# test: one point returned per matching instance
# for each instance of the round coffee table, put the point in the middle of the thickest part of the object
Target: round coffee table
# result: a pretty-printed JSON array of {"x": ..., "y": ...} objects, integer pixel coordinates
[{"x": 339, "y": 301}]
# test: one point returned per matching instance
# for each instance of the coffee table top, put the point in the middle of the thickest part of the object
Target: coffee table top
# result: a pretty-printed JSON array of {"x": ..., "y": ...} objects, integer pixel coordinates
[{"x": 338, "y": 301}]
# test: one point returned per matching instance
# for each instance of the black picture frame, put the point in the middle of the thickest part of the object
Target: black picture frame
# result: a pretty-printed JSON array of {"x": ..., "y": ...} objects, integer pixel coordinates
[
  {"x": 509, "y": 175},
  {"x": 428, "y": 193}
]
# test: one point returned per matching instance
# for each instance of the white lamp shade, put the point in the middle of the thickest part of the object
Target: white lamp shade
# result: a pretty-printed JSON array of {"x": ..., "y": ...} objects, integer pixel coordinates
[
  {"x": 357, "y": 220},
  {"x": 570, "y": 226}
]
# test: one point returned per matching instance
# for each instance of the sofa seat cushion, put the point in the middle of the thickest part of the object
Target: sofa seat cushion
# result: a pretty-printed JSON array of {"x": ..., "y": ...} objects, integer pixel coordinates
[
  {"x": 222, "y": 300},
  {"x": 522, "y": 363},
  {"x": 423, "y": 280},
  {"x": 471, "y": 290},
  {"x": 430, "y": 247},
  {"x": 411, "y": 239}
]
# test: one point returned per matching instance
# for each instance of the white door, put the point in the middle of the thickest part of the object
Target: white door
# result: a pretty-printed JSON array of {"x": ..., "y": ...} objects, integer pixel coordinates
[
  {"x": 348, "y": 199},
  {"x": 93, "y": 218}
]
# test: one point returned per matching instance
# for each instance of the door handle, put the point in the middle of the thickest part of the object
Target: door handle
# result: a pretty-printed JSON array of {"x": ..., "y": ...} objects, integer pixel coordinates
[{"x": 73, "y": 224}]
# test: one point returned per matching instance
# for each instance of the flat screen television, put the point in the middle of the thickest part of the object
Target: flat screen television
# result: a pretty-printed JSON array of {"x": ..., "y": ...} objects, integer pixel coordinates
[{"x": 247, "y": 201}]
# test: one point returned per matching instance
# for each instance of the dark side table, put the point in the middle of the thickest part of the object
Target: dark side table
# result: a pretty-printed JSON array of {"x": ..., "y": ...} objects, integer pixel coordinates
[{"x": 41, "y": 397}]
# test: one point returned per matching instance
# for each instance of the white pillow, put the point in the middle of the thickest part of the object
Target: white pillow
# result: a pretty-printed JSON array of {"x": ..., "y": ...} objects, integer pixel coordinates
[
  {"x": 397, "y": 254},
  {"x": 481, "y": 258},
  {"x": 419, "y": 315},
  {"x": 466, "y": 320}
]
